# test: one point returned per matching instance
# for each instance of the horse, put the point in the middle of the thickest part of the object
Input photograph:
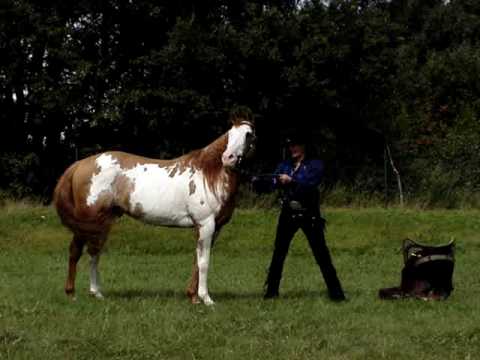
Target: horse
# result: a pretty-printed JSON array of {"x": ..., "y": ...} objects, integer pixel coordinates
[{"x": 196, "y": 190}]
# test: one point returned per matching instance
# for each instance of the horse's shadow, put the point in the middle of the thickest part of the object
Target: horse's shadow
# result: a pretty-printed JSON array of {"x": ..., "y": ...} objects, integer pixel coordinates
[
  {"x": 129, "y": 294},
  {"x": 175, "y": 294}
]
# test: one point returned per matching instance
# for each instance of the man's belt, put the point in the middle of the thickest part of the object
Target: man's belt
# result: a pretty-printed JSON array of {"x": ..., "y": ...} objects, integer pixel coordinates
[{"x": 296, "y": 205}]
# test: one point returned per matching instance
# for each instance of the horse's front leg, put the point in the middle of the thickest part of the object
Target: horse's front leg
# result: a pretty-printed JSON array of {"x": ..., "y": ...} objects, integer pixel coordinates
[
  {"x": 204, "y": 243},
  {"x": 192, "y": 289}
]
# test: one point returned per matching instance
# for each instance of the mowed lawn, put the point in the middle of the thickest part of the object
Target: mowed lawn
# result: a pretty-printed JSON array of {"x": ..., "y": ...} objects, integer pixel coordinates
[{"x": 146, "y": 315}]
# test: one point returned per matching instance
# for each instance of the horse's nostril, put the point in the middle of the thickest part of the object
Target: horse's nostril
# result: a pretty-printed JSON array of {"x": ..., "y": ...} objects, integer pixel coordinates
[{"x": 231, "y": 156}]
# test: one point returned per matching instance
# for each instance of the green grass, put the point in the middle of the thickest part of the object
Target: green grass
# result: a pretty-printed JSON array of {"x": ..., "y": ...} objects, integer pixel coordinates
[{"x": 146, "y": 315}]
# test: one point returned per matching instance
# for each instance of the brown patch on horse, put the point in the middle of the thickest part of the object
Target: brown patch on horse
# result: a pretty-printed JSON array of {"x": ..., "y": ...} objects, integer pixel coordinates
[
  {"x": 76, "y": 248},
  {"x": 129, "y": 161},
  {"x": 192, "y": 187},
  {"x": 192, "y": 289},
  {"x": 173, "y": 172},
  {"x": 182, "y": 169},
  {"x": 70, "y": 200},
  {"x": 63, "y": 195},
  {"x": 226, "y": 211},
  {"x": 122, "y": 188},
  {"x": 95, "y": 243}
]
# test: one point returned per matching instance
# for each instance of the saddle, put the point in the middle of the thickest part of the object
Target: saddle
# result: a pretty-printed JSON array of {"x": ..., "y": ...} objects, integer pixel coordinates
[{"x": 427, "y": 272}]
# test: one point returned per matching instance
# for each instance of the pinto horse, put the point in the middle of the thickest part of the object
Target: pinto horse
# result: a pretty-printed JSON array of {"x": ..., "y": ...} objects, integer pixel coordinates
[{"x": 195, "y": 190}]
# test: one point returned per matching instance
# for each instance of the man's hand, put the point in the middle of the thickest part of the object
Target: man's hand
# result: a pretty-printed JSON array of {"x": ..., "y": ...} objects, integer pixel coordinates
[{"x": 284, "y": 179}]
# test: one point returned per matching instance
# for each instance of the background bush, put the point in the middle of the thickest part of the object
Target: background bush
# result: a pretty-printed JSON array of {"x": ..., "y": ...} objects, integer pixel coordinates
[{"x": 159, "y": 79}]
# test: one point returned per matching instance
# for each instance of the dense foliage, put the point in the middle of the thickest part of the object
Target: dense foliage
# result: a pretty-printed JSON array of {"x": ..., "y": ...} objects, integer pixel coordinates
[{"x": 159, "y": 77}]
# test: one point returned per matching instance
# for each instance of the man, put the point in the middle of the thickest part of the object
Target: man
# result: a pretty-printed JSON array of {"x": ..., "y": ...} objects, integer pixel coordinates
[{"x": 298, "y": 178}]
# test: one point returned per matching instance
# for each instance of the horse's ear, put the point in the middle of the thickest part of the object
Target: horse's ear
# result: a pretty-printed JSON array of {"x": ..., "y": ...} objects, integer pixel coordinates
[{"x": 241, "y": 113}]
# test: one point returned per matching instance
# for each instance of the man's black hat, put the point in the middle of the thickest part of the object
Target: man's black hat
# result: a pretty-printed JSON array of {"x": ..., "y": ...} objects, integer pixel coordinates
[{"x": 296, "y": 138}]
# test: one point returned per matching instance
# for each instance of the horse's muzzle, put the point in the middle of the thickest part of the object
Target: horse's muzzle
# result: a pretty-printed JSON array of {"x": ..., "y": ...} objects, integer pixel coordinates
[{"x": 230, "y": 160}]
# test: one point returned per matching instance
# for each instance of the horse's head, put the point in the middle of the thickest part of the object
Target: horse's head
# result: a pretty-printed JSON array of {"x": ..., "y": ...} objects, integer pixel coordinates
[{"x": 241, "y": 139}]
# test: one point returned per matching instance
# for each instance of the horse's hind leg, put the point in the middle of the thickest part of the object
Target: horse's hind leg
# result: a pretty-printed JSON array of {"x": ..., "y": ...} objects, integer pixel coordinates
[
  {"x": 95, "y": 277},
  {"x": 76, "y": 248},
  {"x": 95, "y": 246}
]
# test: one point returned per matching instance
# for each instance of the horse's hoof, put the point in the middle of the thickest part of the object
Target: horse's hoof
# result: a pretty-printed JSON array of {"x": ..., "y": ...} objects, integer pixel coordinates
[
  {"x": 70, "y": 295},
  {"x": 97, "y": 295},
  {"x": 208, "y": 301},
  {"x": 195, "y": 300}
]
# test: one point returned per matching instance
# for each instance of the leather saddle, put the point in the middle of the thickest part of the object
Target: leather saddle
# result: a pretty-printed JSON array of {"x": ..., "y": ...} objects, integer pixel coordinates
[{"x": 427, "y": 273}]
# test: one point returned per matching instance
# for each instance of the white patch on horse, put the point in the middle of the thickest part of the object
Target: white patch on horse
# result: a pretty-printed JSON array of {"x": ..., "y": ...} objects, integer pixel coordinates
[
  {"x": 103, "y": 180},
  {"x": 163, "y": 199},
  {"x": 172, "y": 200},
  {"x": 236, "y": 144}
]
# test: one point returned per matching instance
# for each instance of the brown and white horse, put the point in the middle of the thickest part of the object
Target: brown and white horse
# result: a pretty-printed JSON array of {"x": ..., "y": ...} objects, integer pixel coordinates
[{"x": 195, "y": 190}]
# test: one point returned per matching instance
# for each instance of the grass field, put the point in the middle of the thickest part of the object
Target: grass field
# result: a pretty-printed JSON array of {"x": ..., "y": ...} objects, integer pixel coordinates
[{"x": 146, "y": 316}]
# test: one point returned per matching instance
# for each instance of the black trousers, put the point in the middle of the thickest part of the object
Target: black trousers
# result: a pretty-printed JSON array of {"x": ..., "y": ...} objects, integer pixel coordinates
[{"x": 313, "y": 226}]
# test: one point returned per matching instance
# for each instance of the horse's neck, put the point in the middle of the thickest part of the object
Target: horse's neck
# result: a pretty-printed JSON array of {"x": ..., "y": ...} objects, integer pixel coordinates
[
  {"x": 208, "y": 159},
  {"x": 210, "y": 162},
  {"x": 211, "y": 154}
]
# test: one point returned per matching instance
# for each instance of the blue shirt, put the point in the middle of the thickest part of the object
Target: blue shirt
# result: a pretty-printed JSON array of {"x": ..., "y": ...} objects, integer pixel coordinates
[
  {"x": 308, "y": 174},
  {"x": 305, "y": 181}
]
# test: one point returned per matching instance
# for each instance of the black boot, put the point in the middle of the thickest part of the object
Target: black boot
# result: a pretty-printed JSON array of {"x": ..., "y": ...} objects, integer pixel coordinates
[
  {"x": 335, "y": 291},
  {"x": 271, "y": 287},
  {"x": 336, "y": 295},
  {"x": 271, "y": 294}
]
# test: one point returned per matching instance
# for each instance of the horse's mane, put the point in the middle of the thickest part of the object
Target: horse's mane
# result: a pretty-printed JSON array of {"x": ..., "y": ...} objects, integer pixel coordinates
[{"x": 208, "y": 160}]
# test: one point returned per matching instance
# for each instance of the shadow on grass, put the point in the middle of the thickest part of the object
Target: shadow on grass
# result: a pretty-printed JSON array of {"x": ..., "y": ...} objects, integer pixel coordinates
[
  {"x": 175, "y": 294},
  {"x": 144, "y": 294},
  {"x": 219, "y": 296},
  {"x": 284, "y": 296},
  {"x": 305, "y": 294}
]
